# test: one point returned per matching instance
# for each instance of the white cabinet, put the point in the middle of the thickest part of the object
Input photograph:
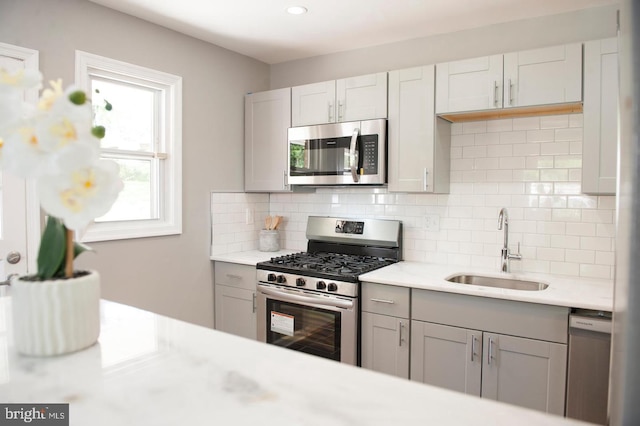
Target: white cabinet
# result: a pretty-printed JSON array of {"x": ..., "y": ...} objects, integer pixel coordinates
[
  {"x": 513, "y": 352},
  {"x": 235, "y": 299},
  {"x": 348, "y": 99},
  {"x": 267, "y": 120},
  {"x": 469, "y": 85},
  {"x": 419, "y": 143},
  {"x": 551, "y": 75},
  {"x": 600, "y": 131},
  {"x": 385, "y": 329}
]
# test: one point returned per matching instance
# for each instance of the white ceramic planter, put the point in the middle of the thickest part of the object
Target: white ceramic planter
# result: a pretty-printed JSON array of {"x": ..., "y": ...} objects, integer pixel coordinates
[{"x": 55, "y": 317}]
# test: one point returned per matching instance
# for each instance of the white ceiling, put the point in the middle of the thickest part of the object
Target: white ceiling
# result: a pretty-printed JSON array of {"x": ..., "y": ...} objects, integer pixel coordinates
[{"x": 263, "y": 30}]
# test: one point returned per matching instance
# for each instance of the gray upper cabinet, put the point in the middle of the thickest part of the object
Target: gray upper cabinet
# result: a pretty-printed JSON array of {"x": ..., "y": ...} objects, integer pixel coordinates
[
  {"x": 419, "y": 143},
  {"x": 348, "y": 99},
  {"x": 267, "y": 118},
  {"x": 550, "y": 75},
  {"x": 600, "y": 136}
]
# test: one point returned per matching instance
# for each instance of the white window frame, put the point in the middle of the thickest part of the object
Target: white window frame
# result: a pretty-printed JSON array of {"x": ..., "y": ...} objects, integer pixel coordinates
[{"x": 170, "y": 158}]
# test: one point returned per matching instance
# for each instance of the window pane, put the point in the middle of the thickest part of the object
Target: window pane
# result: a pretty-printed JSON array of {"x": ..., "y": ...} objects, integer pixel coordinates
[
  {"x": 130, "y": 124},
  {"x": 136, "y": 201}
]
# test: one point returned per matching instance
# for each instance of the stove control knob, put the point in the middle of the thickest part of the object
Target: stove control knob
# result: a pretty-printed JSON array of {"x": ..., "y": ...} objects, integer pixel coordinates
[
  {"x": 321, "y": 285},
  {"x": 281, "y": 279},
  {"x": 300, "y": 282},
  {"x": 271, "y": 277},
  {"x": 332, "y": 287}
]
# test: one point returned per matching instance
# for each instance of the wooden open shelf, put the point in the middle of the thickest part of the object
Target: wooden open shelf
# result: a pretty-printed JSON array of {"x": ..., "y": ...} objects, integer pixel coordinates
[{"x": 460, "y": 117}]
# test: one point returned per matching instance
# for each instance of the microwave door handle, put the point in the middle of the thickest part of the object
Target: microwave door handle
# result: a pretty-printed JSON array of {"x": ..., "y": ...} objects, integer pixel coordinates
[{"x": 353, "y": 155}]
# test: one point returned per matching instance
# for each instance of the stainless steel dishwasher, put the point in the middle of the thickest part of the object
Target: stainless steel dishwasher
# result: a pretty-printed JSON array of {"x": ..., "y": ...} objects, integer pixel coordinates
[{"x": 588, "y": 369}]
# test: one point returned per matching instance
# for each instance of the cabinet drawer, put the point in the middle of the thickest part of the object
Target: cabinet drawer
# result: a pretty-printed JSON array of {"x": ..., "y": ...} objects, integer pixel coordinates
[
  {"x": 235, "y": 275},
  {"x": 385, "y": 299},
  {"x": 535, "y": 321}
]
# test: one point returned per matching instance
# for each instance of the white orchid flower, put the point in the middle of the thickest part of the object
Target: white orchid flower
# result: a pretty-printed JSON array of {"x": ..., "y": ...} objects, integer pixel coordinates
[
  {"x": 19, "y": 80},
  {"x": 79, "y": 195}
]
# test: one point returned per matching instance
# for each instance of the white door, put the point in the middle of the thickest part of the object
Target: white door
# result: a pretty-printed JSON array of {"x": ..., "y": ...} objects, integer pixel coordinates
[
  {"x": 16, "y": 238},
  {"x": 549, "y": 75},
  {"x": 313, "y": 103},
  {"x": 469, "y": 85}
]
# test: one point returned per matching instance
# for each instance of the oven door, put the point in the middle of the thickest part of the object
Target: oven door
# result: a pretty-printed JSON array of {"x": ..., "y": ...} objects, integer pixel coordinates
[{"x": 314, "y": 323}]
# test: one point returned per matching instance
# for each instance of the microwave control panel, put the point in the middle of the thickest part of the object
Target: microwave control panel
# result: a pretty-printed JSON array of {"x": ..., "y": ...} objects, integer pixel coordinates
[{"x": 369, "y": 162}]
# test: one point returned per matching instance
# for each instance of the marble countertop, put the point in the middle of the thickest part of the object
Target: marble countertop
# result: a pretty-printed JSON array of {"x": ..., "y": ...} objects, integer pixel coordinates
[
  {"x": 573, "y": 292},
  {"x": 250, "y": 257},
  {"x": 148, "y": 369}
]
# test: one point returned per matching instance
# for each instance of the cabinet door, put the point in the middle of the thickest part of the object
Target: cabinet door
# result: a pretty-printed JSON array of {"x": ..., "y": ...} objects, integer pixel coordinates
[
  {"x": 385, "y": 344},
  {"x": 236, "y": 311},
  {"x": 469, "y": 85},
  {"x": 313, "y": 103},
  {"x": 362, "y": 98},
  {"x": 543, "y": 76},
  {"x": 449, "y": 357},
  {"x": 600, "y": 136},
  {"x": 411, "y": 128},
  {"x": 525, "y": 372},
  {"x": 267, "y": 120}
]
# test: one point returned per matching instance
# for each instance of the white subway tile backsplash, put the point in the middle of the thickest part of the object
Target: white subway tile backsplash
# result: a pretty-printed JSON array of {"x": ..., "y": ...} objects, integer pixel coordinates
[
  {"x": 530, "y": 165},
  {"x": 554, "y": 122},
  {"x": 527, "y": 123}
]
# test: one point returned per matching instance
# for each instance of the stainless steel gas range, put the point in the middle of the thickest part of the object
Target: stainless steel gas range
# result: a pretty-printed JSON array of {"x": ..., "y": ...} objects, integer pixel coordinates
[{"x": 308, "y": 301}]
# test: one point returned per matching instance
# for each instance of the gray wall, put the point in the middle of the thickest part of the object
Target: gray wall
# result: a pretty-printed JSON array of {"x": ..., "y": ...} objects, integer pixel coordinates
[
  {"x": 588, "y": 24},
  {"x": 170, "y": 275}
]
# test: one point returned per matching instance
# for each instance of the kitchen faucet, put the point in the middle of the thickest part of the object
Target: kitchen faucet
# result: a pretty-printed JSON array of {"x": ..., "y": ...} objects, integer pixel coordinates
[{"x": 503, "y": 218}]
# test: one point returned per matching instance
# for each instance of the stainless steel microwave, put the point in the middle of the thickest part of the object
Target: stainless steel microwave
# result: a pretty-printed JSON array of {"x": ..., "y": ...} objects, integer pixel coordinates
[{"x": 351, "y": 153}]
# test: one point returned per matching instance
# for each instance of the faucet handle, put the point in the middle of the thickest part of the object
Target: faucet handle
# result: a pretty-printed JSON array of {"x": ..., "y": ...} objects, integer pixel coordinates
[{"x": 515, "y": 256}]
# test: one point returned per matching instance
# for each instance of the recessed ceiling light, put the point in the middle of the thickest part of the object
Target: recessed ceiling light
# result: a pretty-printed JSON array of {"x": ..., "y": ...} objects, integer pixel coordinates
[{"x": 297, "y": 10}]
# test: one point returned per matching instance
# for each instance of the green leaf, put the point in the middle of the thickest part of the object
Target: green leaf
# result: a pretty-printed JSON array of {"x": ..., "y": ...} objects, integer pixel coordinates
[
  {"x": 52, "y": 249},
  {"x": 78, "y": 97},
  {"x": 80, "y": 248},
  {"x": 107, "y": 105},
  {"x": 98, "y": 131}
]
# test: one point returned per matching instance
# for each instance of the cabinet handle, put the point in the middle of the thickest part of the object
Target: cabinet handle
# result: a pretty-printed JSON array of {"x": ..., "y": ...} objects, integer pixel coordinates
[
  {"x": 340, "y": 107},
  {"x": 254, "y": 303},
  {"x": 329, "y": 108},
  {"x": 490, "y": 351},
  {"x": 495, "y": 93},
  {"x": 400, "y": 333},
  {"x": 284, "y": 180},
  {"x": 510, "y": 100},
  {"x": 234, "y": 277},
  {"x": 473, "y": 346},
  {"x": 391, "y": 302},
  {"x": 425, "y": 177}
]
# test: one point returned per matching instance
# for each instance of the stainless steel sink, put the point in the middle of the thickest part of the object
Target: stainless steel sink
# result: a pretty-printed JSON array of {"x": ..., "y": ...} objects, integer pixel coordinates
[{"x": 508, "y": 283}]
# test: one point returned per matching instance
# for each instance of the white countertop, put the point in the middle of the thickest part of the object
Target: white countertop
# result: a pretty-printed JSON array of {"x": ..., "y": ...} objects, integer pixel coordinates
[
  {"x": 148, "y": 369},
  {"x": 566, "y": 291},
  {"x": 573, "y": 292},
  {"x": 250, "y": 257}
]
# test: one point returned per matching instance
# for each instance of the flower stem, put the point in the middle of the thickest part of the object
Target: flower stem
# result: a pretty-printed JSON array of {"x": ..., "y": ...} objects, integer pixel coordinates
[{"x": 68, "y": 267}]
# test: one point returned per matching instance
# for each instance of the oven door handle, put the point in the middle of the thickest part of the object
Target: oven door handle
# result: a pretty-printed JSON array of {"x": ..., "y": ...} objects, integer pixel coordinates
[{"x": 286, "y": 296}]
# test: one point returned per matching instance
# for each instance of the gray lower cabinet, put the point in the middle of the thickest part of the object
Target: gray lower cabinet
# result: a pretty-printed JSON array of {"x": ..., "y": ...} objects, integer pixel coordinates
[
  {"x": 235, "y": 299},
  {"x": 445, "y": 356},
  {"x": 513, "y": 352},
  {"x": 385, "y": 329}
]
